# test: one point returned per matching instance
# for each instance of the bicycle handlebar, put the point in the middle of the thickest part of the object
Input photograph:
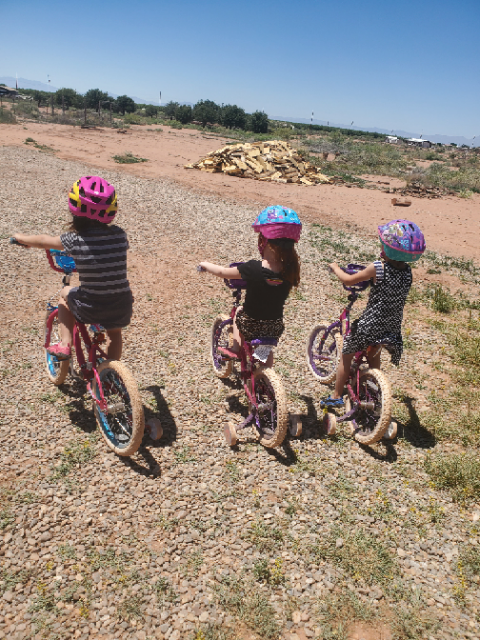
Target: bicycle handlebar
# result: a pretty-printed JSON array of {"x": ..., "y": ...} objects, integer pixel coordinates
[
  {"x": 351, "y": 269},
  {"x": 15, "y": 241}
]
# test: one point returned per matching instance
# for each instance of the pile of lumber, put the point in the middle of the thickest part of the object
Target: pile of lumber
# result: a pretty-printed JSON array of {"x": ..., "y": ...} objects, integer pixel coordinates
[{"x": 273, "y": 161}]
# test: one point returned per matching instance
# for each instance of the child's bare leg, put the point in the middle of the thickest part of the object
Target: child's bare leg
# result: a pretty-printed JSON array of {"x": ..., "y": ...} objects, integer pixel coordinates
[
  {"x": 342, "y": 374},
  {"x": 374, "y": 361},
  {"x": 66, "y": 319},
  {"x": 237, "y": 336},
  {"x": 114, "y": 344}
]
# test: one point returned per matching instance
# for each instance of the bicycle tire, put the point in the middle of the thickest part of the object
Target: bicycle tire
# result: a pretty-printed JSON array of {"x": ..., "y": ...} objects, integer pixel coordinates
[
  {"x": 371, "y": 425},
  {"x": 269, "y": 390},
  {"x": 120, "y": 391},
  {"x": 330, "y": 353},
  {"x": 57, "y": 370},
  {"x": 221, "y": 337}
]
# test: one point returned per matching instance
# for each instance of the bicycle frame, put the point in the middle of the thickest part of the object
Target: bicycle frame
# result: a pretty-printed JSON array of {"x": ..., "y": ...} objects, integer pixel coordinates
[
  {"x": 88, "y": 368},
  {"x": 247, "y": 363}
]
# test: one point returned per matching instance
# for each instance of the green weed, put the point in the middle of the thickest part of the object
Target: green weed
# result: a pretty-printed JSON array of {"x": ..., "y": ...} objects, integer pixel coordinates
[
  {"x": 361, "y": 555},
  {"x": 249, "y": 606},
  {"x": 264, "y": 536},
  {"x": 457, "y": 473},
  {"x": 128, "y": 158}
]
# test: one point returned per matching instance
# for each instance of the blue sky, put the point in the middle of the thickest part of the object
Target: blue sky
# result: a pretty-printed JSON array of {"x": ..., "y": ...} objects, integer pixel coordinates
[{"x": 412, "y": 65}]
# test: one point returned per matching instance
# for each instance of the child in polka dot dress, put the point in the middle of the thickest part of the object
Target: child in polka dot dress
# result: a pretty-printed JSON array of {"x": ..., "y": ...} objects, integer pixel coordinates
[{"x": 402, "y": 242}]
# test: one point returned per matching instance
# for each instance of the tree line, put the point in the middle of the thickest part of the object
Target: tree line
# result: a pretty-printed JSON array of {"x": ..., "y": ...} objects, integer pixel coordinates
[{"x": 204, "y": 111}]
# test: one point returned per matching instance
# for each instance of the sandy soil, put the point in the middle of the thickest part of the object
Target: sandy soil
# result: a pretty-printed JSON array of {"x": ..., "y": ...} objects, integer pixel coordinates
[{"x": 451, "y": 225}]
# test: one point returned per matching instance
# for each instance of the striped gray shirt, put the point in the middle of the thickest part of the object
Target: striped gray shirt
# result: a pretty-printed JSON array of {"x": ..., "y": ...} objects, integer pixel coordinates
[{"x": 101, "y": 259}]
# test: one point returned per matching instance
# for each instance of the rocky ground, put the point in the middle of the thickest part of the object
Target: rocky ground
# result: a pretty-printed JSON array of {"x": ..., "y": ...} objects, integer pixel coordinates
[{"x": 190, "y": 539}]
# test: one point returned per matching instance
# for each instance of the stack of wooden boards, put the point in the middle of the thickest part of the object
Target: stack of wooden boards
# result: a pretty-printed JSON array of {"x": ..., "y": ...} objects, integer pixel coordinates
[{"x": 273, "y": 161}]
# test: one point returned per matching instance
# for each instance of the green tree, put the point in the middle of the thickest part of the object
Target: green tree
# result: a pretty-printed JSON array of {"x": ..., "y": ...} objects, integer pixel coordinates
[
  {"x": 41, "y": 97},
  {"x": 124, "y": 104},
  {"x": 259, "y": 122},
  {"x": 70, "y": 97},
  {"x": 94, "y": 96},
  {"x": 170, "y": 109},
  {"x": 184, "y": 114},
  {"x": 151, "y": 110},
  {"x": 234, "y": 117},
  {"x": 206, "y": 111}
]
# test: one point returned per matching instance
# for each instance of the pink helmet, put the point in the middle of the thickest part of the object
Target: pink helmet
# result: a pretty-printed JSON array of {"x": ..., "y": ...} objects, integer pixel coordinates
[
  {"x": 93, "y": 197},
  {"x": 278, "y": 222}
]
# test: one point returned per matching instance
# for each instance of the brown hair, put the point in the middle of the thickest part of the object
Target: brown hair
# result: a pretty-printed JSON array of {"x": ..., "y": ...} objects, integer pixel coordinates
[
  {"x": 284, "y": 251},
  {"x": 80, "y": 224}
]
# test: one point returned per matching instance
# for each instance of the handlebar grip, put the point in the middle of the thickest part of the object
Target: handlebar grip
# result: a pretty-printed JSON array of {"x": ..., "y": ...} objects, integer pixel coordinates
[{"x": 15, "y": 241}]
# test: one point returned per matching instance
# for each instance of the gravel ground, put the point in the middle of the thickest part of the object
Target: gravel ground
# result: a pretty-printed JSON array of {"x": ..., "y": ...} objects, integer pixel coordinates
[{"x": 189, "y": 538}]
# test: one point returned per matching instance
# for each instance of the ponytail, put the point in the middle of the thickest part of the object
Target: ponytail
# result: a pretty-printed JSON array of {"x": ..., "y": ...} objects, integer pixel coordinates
[{"x": 285, "y": 253}]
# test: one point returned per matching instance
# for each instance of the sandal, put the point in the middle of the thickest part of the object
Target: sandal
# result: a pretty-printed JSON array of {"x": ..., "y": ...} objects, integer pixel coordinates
[
  {"x": 61, "y": 353},
  {"x": 332, "y": 402}
]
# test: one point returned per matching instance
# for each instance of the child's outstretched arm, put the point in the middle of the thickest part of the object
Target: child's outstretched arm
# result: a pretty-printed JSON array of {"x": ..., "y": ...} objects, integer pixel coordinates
[
  {"x": 345, "y": 278},
  {"x": 39, "y": 242},
  {"x": 221, "y": 272}
]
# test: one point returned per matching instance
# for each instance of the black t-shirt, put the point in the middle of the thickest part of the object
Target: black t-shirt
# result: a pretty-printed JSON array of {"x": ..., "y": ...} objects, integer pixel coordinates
[{"x": 266, "y": 291}]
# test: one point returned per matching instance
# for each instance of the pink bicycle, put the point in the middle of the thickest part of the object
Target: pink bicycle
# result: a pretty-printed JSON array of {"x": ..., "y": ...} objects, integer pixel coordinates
[
  {"x": 116, "y": 401},
  {"x": 368, "y": 403},
  {"x": 263, "y": 386}
]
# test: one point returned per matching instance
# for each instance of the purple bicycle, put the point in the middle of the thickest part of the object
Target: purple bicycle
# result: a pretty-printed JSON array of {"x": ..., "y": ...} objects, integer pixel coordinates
[
  {"x": 263, "y": 386},
  {"x": 368, "y": 403}
]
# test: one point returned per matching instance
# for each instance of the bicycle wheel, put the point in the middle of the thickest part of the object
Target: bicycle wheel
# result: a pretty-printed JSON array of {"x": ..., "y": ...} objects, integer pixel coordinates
[
  {"x": 57, "y": 370},
  {"x": 323, "y": 354},
  {"x": 373, "y": 419},
  {"x": 123, "y": 423},
  {"x": 222, "y": 336},
  {"x": 272, "y": 408}
]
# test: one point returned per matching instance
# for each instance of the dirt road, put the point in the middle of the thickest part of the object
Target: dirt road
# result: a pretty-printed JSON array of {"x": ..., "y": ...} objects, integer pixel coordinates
[{"x": 451, "y": 225}]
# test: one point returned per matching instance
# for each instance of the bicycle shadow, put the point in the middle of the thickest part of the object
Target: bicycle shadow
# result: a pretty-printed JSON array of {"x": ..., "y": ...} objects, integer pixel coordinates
[
  {"x": 412, "y": 430},
  {"x": 81, "y": 415}
]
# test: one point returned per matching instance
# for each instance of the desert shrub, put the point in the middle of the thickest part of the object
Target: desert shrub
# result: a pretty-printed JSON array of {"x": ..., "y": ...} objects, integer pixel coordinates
[
  {"x": 128, "y": 158},
  {"x": 151, "y": 111},
  {"x": 7, "y": 117}
]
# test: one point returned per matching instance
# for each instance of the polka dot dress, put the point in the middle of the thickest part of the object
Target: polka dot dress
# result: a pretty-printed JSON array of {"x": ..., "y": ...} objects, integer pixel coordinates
[{"x": 381, "y": 322}]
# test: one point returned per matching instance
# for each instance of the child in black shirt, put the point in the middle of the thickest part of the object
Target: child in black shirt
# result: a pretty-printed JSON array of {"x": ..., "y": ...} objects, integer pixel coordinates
[{"x": 269, "y": 281}]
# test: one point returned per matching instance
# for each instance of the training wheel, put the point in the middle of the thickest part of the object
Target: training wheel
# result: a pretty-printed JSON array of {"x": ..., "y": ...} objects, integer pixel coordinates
[
  {"x": 153, "y": 427},
  {"x": 295, "y": 426},
  {"x": 391, "y": 432},
  {"x": 330, "y": 424},
  {"x": 230, "y": 434}
]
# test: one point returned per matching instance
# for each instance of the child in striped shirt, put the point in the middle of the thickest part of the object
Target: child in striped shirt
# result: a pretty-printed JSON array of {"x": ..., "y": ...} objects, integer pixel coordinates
[{"x": 100, "y": 253}]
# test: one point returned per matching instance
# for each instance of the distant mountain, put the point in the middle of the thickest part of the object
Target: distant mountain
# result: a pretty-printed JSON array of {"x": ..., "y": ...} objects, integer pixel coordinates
[
  {"x": 27, "y": 84},
  {"x": 437, "y": 137}
]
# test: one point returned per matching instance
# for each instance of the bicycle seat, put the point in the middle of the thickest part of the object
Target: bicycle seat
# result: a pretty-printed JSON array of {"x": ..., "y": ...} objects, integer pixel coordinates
[
  {"x": 273, "y": 342},
  {"x": 237, "y": 283},
  {"x": 352, "y": 269}
]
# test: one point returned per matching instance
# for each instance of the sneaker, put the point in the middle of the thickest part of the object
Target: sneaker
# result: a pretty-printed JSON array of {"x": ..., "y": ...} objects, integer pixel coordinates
[
  {"x": 61, "y": 353},
  {"x": 332, "y": 403}
]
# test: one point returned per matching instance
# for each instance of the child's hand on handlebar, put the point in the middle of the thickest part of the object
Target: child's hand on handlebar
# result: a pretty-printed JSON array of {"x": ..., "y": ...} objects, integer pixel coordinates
[{"x": 17, "y": 239}]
